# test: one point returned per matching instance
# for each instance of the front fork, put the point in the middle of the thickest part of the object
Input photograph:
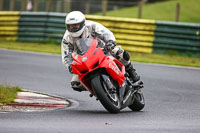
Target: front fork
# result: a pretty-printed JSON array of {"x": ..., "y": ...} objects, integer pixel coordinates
[
  {"x": 113, "y": 89},
  {"x": 125, "y": 93}
]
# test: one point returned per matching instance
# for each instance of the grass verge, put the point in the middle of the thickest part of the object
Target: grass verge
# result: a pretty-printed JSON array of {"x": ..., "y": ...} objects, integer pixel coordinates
[
  {"x": 166, "y": 59},
  {"x": 138, "y": 57},
  {"x": 8, "y": 93},
  {"x": 28, "y": 46}
]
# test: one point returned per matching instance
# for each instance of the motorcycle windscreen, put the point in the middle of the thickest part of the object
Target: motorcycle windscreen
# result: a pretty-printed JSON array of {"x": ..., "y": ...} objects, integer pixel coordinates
[{"x": 83, "y": 45}]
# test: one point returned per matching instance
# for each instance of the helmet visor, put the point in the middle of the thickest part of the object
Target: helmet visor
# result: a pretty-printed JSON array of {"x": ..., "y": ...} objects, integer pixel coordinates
[{"x": 75, "y": 27}]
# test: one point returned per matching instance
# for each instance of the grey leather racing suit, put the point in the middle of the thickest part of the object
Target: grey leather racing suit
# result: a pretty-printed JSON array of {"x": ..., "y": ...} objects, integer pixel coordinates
[{"x": 92, "y": 30}]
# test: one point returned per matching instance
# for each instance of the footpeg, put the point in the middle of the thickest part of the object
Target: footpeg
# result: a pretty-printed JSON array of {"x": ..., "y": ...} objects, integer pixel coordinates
[{"x": 138, "y": 85}]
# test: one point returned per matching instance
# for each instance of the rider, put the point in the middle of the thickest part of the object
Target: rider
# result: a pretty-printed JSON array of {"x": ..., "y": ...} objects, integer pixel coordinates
[{"x": 78, "y": 27}]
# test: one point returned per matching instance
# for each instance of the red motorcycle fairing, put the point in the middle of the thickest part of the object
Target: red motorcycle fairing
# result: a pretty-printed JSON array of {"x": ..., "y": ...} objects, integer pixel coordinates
[{"x": 94, "y": 59}]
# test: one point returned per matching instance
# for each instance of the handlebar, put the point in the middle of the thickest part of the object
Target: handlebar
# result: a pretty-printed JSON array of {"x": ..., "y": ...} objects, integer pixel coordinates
[{"x": 105, "y": 50}]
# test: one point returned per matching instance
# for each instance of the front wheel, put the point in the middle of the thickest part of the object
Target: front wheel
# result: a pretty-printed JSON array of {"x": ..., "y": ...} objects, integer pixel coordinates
[
  {"x": 138, "y": 103},
  {"x": 109, "y": 100}
]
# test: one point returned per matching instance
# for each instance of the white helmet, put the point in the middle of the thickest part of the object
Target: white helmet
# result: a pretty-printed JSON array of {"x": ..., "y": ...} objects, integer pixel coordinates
[{"x": 75, "y": 23}]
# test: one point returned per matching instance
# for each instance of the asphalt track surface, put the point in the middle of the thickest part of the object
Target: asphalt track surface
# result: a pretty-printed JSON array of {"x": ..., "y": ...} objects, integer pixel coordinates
[{"x": 172, "y": 97}]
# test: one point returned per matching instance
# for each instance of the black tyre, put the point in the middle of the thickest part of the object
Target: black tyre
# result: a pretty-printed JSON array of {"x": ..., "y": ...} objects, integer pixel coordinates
[
  {"x": 109, "y": 101},
  {"x": 139, "y": 102}
]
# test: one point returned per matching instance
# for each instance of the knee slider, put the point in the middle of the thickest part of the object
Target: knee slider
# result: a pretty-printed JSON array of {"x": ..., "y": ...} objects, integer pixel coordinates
[
  {"x": 126, "y": 56},
  {"x": 75, "y": 84}
]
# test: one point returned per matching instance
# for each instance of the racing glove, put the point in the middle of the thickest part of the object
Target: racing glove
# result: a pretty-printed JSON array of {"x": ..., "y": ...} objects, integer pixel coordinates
[{"x": 110, "y": 45}]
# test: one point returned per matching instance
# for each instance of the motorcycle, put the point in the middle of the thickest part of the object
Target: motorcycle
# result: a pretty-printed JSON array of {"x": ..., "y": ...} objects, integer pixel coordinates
[{"x": 105, "y": 77}]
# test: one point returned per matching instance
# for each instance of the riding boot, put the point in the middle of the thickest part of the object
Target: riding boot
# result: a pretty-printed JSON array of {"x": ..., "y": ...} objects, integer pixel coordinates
[{"x": 131, "y": 71}]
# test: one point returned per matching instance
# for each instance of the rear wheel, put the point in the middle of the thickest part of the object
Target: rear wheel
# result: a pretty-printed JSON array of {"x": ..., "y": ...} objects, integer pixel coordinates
[
  {"x": 139, "y": 102},
  {"x": 108, "y": 99}
]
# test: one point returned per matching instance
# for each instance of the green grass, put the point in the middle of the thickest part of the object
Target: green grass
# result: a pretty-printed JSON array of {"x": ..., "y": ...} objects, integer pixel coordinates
[
  {"x": 165, "y": 11},
  {"x": 8, "y": 93},
  {"x": 36, "y": 47},
  {"x": 166, "y": 59},
  {"x": 138, "y": 57}
]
